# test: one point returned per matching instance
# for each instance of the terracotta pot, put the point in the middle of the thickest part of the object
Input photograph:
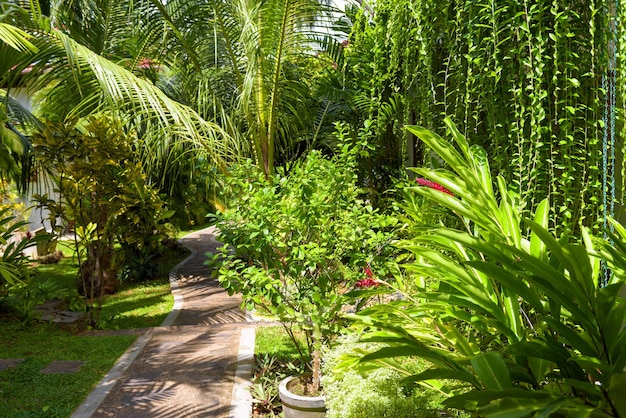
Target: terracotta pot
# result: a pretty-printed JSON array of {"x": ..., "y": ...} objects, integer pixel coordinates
[{"x": 296, "y": 406}]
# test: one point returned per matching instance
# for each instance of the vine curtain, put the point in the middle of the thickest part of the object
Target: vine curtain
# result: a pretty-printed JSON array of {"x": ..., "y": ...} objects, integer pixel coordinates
[{"x": 524, "y": 79}]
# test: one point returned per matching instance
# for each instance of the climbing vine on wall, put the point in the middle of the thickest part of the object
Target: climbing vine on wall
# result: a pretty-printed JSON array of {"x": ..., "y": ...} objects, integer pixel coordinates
[{"x": 522, "y": 78}]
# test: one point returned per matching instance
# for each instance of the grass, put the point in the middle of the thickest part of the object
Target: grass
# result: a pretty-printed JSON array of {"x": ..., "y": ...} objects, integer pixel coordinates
[
  {"x": 25, "y": 392},
  {"x": 274, "y": 341},
  {"x": 137, "y": 305},
  {"x": 276, "y": 357}
]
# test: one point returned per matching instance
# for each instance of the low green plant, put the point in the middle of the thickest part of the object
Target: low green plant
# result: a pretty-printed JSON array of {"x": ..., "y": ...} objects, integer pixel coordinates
[
  {"x": 276, "y": 356},
  {"x": 375, "y": 393},
  {"x": 264, "y": 386},
  {"x": 296, "y": 243},
  {"x": 527, "y": 323},
  {"x": 141, "y": 267},
  {"x": 13, "y": 262}
]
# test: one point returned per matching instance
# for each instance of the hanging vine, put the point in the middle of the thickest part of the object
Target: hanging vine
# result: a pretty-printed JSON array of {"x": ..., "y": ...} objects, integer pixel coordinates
[{"x": 521, "y": 78}]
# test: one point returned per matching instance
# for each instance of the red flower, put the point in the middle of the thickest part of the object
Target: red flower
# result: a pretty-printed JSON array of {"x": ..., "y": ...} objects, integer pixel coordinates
[
  {"x": 433, "y": 185},
  {"x": 366, "y": 283},
  {"x": 369, "y": 280}
]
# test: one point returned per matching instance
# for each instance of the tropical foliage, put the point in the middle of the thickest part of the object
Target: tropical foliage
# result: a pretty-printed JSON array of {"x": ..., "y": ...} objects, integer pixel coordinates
[
  {"x": 219, "y": 81},
  {"x": 12, "y": 261},
  {"x": 519, "y": 317}
]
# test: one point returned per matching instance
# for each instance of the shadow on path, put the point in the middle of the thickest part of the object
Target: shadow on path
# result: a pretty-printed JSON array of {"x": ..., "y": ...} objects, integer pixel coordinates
[{"x": 187, "y": 369}]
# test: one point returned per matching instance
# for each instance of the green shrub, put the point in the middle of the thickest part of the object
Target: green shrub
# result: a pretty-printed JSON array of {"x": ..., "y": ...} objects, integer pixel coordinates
[
  {"x": 526, "y": 323},
  {"x": 297, "y": 242}
]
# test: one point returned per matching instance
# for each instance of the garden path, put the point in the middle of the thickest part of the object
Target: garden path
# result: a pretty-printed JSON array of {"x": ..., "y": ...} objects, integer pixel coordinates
[{"x": 192, "y": 366}]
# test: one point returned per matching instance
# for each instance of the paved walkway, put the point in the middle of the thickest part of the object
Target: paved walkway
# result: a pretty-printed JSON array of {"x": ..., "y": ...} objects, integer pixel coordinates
[{"x": 187, "y": 367}]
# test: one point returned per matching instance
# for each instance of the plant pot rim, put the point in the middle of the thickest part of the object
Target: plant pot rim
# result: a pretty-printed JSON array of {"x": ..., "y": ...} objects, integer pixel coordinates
[{"x": 297, "y": 400}]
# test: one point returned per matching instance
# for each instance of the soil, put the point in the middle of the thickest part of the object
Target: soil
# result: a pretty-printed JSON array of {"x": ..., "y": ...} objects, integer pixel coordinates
[{"x": 303, "y": 386}]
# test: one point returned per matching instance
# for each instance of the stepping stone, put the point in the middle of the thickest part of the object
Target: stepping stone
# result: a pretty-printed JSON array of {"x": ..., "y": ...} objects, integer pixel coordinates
[
  {"x": 62, "y": 367},
  {"x": 7, "y": 363},
  {"x": 69, "y": 321}
]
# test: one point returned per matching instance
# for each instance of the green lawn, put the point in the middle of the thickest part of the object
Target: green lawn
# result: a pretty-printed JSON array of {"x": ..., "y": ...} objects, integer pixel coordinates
[{"x": 25, "y": 392}]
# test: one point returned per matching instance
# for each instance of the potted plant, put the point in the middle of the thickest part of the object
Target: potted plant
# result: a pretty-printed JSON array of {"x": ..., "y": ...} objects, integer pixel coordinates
[{"x": 296, "y": 242}]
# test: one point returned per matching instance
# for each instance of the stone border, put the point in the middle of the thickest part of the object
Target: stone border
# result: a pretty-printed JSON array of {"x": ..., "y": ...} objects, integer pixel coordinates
[
  {"x": 175, "y": 290},
  {"x": 241, "y": 399}
]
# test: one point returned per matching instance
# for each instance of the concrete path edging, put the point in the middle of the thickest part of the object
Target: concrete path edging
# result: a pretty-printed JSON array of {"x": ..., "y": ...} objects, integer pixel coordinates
[
  {"x": 241, "y": 400},
  {"x": 178, "y": 297}
]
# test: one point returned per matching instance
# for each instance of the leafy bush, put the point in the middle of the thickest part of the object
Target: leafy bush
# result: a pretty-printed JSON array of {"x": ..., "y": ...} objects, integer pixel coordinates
[
  {"x": 141, "y": 267},
  {"x": 105, "y": 193},
  {"x": 297, "y": 242},
  {"x": 13, "y": 263},
  {"x": 26, "y": 296},
  {"x": 523, "y": 320}
]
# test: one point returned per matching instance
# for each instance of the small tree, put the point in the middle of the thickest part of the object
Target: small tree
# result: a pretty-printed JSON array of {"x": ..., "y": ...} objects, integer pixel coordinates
[
  {"x": 104, "y": 193},
  {"x": 300, "y": 242}
]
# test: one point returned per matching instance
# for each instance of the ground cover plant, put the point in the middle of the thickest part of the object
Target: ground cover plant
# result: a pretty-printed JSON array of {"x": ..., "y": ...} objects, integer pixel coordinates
[{"x": 378, "y": 392}]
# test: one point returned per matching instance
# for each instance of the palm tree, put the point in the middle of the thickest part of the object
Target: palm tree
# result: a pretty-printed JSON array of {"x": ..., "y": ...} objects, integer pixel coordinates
[
  {"x": 237, "y": 80},
  {"x": 248, "y": 65},
  {"x": 12, "y": 143},
  {"x": 74, "y": 80}
]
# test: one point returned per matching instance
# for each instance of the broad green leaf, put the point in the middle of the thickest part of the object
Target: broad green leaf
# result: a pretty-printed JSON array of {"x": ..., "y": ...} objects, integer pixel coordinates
[
  {"x": 509, "y": 217},
  {"x": 513, "y": 315},
  {"x": 518, "y": 407},
  {"x": 579, "y": 341},
  {"x": 483, "y": 397},
  {"x": 509, "y": 280},
  {"x": 584, "y": 386},
  {"x": 618, "y": 356},
  {"x": 537, "y": 246},
  {"x": 409, "y": 351},
  {"x": 458, "y": 137},
  {"x": 492, "y": 371},
  {"x": 534, "y": 349},
  {"x": 595, "y": 367},
  {"x": 461, "y": 375},
  {"x": 550, "y": 408},
  {"x": 612, "y": 324},
  {"x": 460, "y": 342},
  {"x": 539, "y": 367},
  {"x": 617, "y": 393},
  {"x": 440, "y": 146}
]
